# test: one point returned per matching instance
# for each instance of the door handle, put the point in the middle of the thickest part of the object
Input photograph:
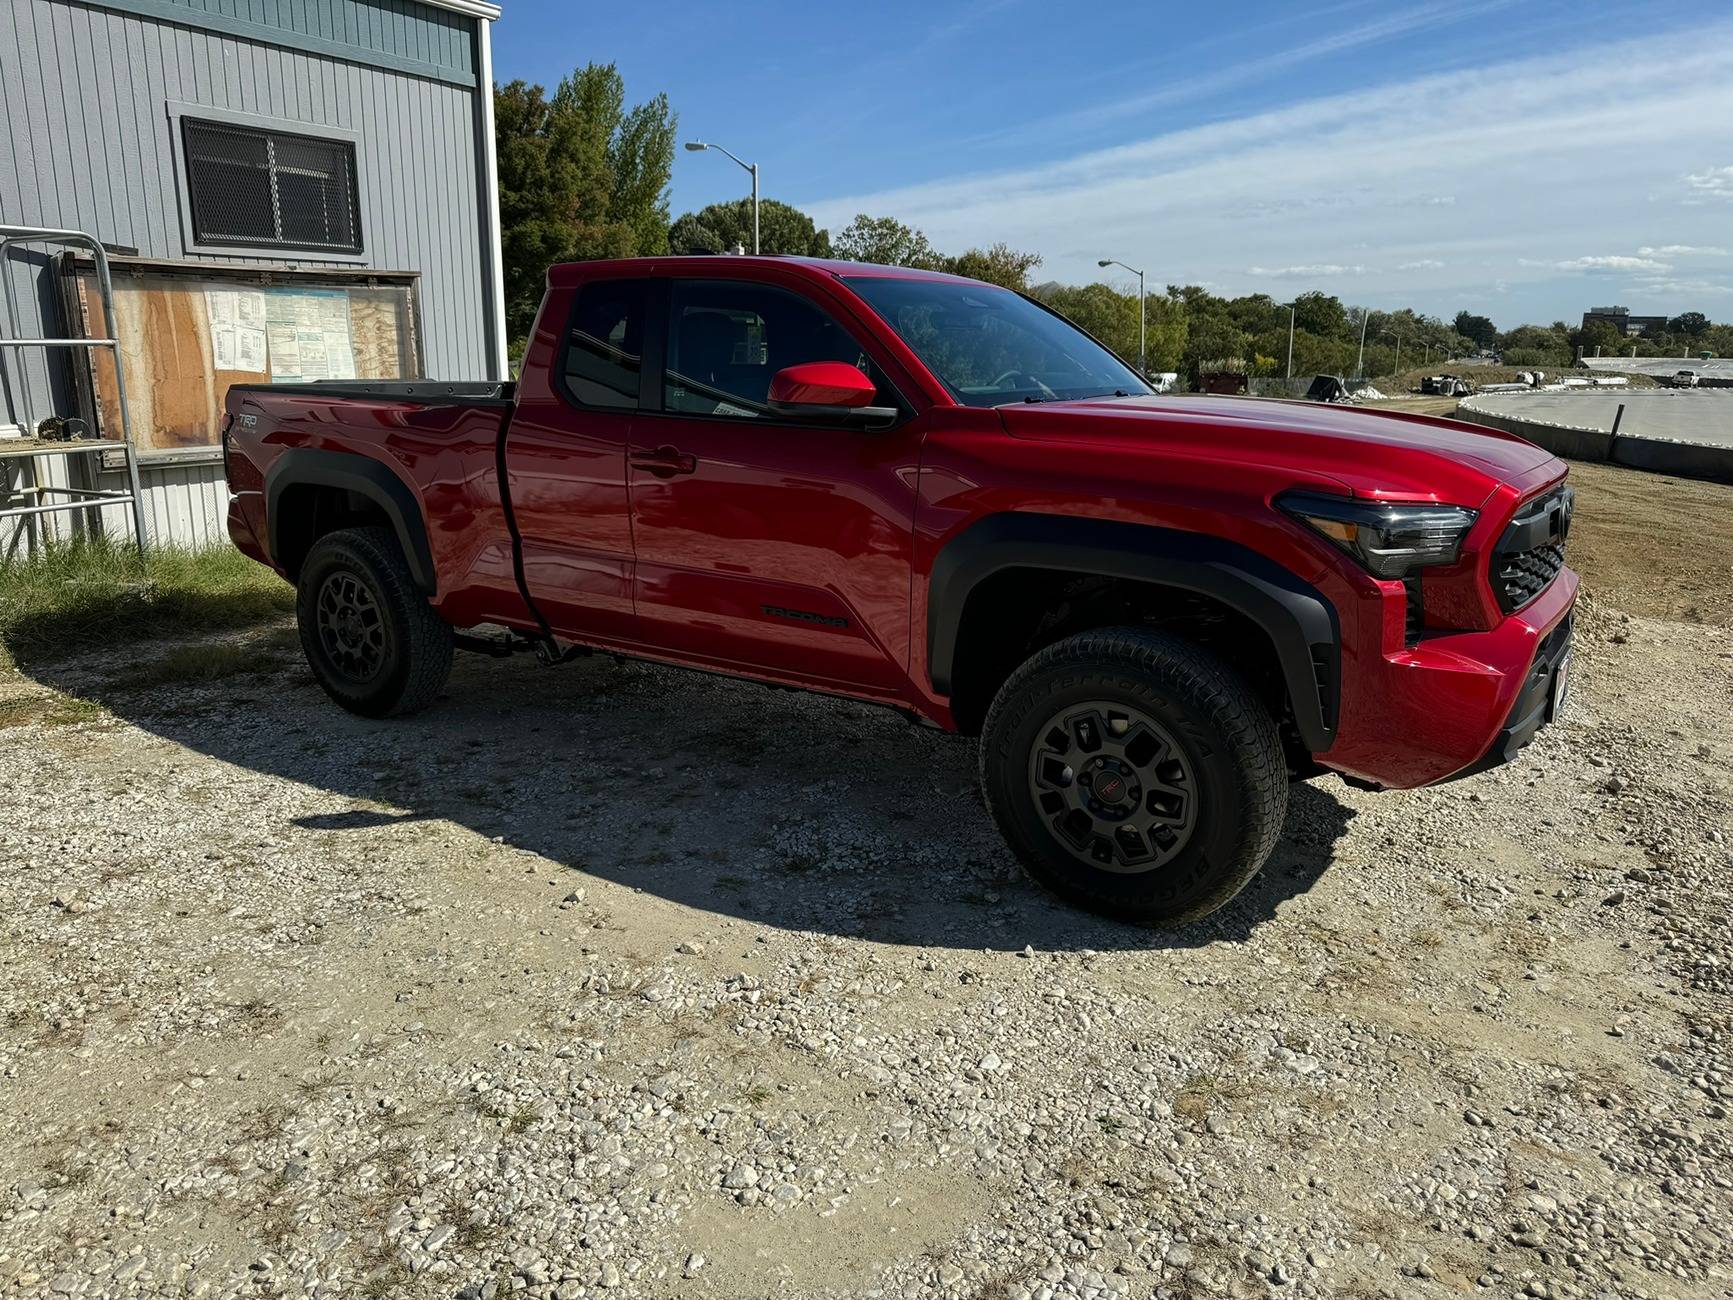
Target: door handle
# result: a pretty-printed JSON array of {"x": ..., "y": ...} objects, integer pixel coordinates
[{"x": 665, "y": 462}]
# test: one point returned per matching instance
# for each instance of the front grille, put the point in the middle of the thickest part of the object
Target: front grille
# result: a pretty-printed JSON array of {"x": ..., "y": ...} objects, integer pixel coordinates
[{"x": 1532, "y": 550}]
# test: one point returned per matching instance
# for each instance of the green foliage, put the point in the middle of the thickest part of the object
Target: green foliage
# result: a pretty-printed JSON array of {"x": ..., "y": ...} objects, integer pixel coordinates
[
  {"x": 1322, "y": 314},
  {"x": 1599, "y": 336},
  {"x": 1479, "y": 330},
  {"x": 1111, "y": 316},
  {"x": 1001, "y": 264},
  {"x": 1693, "y": 323},
  {"x": 885, "y": 241},
  {"x": 73, "y": 596},
  {"x": 782, "y": 229},
  {"x": 580, "y": 176}
]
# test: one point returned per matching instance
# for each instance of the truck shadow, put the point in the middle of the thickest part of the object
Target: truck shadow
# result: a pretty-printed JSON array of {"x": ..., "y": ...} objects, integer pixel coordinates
[{"x": 791, "y": 810}]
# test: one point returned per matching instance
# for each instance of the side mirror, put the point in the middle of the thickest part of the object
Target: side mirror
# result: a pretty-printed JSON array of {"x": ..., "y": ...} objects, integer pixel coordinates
[{"x": 827, "y": 390}]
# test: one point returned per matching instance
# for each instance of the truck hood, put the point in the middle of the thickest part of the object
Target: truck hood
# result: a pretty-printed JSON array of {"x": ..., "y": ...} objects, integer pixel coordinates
[{"x": 1372, "y": 453}]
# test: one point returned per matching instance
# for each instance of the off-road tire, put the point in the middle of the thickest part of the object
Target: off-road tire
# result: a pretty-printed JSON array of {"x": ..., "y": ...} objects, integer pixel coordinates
[
  {"x": 414, "y": 644},
  {"x": 1225, "y": 734}
]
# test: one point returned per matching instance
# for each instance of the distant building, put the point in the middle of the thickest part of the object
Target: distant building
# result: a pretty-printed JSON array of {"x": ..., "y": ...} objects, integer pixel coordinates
[{"x": 1620, "y": 318}]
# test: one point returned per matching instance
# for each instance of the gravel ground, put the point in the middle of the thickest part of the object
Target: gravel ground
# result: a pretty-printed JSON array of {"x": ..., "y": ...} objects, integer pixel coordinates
[{"x": 615, "y": 980}]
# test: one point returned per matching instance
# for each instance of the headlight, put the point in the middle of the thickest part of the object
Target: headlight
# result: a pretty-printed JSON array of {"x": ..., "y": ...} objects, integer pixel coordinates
[{"x": 1389, "y": 539}]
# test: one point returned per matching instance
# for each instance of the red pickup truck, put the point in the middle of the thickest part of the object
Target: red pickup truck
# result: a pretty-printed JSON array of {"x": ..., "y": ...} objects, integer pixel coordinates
[{"x": 937, "y": 495}]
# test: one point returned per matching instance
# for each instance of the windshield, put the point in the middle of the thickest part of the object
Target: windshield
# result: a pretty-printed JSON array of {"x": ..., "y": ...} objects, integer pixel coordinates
[{"x": 990, "y": 346}]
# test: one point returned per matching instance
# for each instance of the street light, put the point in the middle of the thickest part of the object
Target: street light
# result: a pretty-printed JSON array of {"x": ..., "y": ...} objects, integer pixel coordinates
[
  {"x": 1391, "y": 334},
  {"x": 1292, "y": 307},
  {"x": 1142, "y": 315},
  {"x": 699, "y": 146},
  {"x": 1360, "y": 364}
]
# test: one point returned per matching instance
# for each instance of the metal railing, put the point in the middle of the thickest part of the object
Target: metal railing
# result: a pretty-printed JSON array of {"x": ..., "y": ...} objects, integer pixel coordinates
[{"x": 82, "y": 498}]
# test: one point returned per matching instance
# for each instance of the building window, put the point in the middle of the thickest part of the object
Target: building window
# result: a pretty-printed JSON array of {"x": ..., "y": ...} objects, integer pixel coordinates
[{"x": 271, "y": 189}]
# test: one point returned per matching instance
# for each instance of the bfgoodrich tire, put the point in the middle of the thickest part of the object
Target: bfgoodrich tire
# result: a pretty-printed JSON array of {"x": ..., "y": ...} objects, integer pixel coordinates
[
  {"x": 369, "y": 635},
  {"x": 1134, "y": 774}
]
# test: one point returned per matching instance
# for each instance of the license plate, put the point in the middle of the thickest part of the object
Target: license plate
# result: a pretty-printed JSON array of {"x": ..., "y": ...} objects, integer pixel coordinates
[{"x": 1560, "y": 684}]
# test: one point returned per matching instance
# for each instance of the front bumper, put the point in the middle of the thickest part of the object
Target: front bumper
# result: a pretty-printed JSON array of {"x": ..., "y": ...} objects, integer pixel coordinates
[{"x": 1453, "y": 703}]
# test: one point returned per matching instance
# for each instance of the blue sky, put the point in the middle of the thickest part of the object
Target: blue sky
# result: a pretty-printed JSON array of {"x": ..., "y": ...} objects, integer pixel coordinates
[{"x": 1521, "y": 158}]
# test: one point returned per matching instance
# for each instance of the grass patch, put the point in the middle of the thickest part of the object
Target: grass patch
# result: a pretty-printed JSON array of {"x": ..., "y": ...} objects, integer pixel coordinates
[
  {"x": 49, "y": 710},
  {"x": 73, "y": 596},
  {"x": 193, "y": 663}
]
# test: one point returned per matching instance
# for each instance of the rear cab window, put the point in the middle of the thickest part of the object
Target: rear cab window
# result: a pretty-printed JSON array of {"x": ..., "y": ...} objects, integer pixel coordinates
[{"x": 604, "y": 344}]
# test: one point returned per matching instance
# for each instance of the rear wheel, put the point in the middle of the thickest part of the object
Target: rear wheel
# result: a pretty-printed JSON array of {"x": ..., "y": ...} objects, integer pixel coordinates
[
  {"x": 369, "y": 635},
  {"x": 1134, "y": 774}
]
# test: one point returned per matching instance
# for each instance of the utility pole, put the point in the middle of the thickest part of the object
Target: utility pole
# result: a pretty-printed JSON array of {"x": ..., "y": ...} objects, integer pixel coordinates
[
  {"x": 1360, "y": 363},
  {"x": 1291, "y": 309}
]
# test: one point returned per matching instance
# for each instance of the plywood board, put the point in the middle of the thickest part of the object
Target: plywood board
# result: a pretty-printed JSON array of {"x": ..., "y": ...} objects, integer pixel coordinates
[{"x": 174, "y": 327}]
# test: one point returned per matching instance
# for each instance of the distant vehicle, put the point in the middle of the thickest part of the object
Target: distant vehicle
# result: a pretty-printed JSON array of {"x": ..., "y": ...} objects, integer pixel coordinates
[
  {"x": 1446, "y": 386},
  {"x": 931, "y": 493},
  {"x": 1684, "y": 379}
]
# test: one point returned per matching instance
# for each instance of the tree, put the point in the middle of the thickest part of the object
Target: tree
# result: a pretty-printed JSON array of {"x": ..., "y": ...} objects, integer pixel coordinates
[
  {"x": 1690, "y": 322},
  {"x": 1598, "y": 337},
  {"x": 1321, "y": 314},
  {"x": 1111, "y": 316},
  {"x": 1479, "y": 330},
  {"x": 580, "y": 176},
  {"x": 690, "y": 235},
  {"x": 886, "y": 241},
  {"x": 1001, "y": 264},
  {"x": 537, "y": 193},
  {"x": 782, "y": 228}
]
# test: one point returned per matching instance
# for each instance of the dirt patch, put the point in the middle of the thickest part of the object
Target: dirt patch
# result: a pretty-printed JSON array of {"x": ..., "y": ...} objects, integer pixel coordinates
[
  {"x": 1654, "y": 545},
  {"x": 616, "y": 980}
]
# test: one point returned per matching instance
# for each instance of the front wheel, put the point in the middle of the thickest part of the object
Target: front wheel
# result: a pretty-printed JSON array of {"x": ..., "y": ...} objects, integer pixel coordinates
[
  {"x": 369, "y": 635},
  {"x": 1134, "y": 774}
]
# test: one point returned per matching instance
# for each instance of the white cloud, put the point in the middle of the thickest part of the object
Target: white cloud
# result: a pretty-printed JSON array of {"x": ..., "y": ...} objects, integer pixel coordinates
[
  {"x": 1317, "y": 271},
  {"x": 1352, "y": 180},
  {"x": 1421, "y": 264},
  {"x": 1681, "y": 250},
  {"x": 1611, "y": 263},
  {"x": 1687, "y": 288},
  {"x": 1715, "y": 183}
]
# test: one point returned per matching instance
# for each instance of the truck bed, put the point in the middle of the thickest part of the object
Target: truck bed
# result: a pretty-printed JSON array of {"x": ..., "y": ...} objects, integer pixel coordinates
[{"x": 426, "y": 392}]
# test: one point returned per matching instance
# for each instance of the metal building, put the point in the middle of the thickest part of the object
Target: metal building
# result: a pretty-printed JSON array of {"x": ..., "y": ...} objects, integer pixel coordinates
[{"x": 287, "y": 189}]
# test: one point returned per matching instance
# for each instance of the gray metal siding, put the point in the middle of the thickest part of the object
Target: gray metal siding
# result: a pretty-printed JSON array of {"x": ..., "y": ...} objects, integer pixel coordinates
[
  {"x": 399, "y": 34},
  {"x": 86, "y": 142}
]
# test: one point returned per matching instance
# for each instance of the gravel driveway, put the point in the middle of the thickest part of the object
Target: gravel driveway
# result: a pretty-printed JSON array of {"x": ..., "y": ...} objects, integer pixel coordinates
[{"x": 616, "y": 980}]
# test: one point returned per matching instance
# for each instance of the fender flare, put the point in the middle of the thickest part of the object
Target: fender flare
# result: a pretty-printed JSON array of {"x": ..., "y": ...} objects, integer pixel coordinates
[
  {"x": 372, "y": 479},
  {"x": 1300, "y": 622}
]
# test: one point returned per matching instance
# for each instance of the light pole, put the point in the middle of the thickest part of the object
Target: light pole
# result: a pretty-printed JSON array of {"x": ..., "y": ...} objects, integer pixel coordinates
[
  {"x": 1360, "y": 364},
  {"x": 1292, "y": 308},
  {"x": 699, "y": 146},
  {"x": 1391, "y": 334},
  {"x": 1142, "y": 316}
]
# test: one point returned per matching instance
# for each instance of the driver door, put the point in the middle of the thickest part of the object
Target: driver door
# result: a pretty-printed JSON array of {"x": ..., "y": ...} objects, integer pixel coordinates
[{"x": 765, "y": 544}]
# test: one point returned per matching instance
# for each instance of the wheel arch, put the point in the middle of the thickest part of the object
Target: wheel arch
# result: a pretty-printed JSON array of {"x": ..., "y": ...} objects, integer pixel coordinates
[
  {"x": 352, "y": 489},
  {"x": 1298, "y": 622}
]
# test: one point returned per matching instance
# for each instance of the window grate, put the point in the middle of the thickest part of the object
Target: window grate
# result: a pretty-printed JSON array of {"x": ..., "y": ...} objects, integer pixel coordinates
[{"x": 271, "y": 189}]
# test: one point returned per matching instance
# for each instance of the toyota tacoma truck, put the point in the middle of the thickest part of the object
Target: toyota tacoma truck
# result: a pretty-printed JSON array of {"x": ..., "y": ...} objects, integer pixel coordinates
[{"x": 937, "y": 495}]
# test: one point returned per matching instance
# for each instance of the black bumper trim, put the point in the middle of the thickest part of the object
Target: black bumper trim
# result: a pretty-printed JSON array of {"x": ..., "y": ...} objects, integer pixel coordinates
[{"x": 1533, "y": 706}]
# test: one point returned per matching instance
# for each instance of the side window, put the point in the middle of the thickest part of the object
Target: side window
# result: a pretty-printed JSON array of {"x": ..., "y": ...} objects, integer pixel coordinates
[
  {"x": 605, "y": 343},
  {"x": 727, "y": 340}
]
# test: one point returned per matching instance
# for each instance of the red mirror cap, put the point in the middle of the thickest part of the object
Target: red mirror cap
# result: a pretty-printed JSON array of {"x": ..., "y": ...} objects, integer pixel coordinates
[{"x": 822, "y": 383}]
